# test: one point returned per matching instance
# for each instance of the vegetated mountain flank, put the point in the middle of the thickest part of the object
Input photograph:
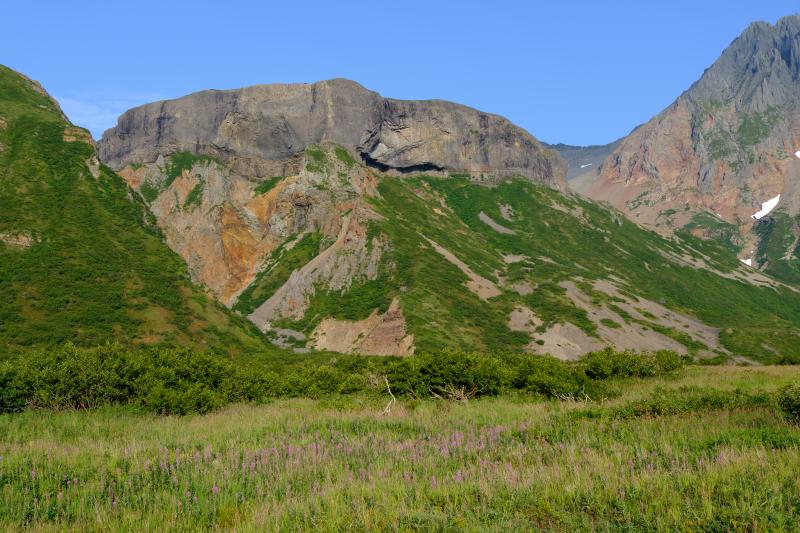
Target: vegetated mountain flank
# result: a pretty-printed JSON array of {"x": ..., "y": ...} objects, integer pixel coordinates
[
  {"x": 337, "y": 254},
  {"x": 724, "y": 147},
  {"x": 258, "y": 131},
  {"x": 81, "y": 259}
]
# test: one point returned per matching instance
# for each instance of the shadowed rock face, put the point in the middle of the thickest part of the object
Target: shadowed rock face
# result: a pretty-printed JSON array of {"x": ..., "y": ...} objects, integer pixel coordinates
[
  {"x": 258, "y": 130},
  {"x": 724, "y": 146}
]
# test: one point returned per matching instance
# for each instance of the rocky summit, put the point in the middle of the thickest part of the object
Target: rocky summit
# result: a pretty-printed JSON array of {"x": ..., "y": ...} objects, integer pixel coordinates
[
  {"x": 259, "y": 131},
  {"x": 726, "y": 146}
]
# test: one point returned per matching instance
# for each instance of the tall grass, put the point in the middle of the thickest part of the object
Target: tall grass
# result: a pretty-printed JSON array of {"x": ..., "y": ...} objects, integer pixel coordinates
[{"x": 495, "y": 464}]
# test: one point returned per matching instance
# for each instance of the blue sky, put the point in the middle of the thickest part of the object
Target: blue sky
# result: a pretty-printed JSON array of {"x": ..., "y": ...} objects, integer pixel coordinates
[{"x": 579, "y": 72}]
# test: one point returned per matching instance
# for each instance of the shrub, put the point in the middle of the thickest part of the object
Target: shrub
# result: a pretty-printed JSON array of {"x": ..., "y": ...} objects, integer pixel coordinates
[
  {"x": 665, "y": 402},
  {"x": 322, "y": 380},
  {"x": 167, "y": 381},
  {"x": 789, "y": 401},
  {"x": 445, "y": 371},
  {"x": 353, "y": 383},
  {"x": 717, "y": 360},
  {"x": 549, "y": 377},
  {"x": 668, "y": 361},
  {"x": 608, "y": 363},
  {"x": 178, "y": 381},
  {"x": 14, "y": 388},
  {"x": 640, "y": 366},
  {"x": 601, "y": 365}
]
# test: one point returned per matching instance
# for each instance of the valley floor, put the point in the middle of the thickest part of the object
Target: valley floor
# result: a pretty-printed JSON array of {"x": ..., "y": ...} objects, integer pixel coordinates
[{"x": 703, "y": 450}]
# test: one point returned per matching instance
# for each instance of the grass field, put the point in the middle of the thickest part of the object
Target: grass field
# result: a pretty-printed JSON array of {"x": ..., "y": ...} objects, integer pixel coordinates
[{"x": 705, "y": 449}]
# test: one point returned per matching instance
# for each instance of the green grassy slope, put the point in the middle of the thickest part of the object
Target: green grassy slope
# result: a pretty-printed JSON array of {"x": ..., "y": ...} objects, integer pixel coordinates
[
  {"x": 563, "y": 238},
  {"x": 96, "y": 268},
  {"x": 779, "y": 246}
]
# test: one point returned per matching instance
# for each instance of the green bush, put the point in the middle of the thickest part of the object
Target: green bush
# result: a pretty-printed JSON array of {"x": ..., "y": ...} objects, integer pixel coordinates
[
  {"x": 608, "y": 363},
  {"x": 445, "y": 372},
  {"x": 789, "y": 401},
  {"x": 179, "y": 381},
  {"x": 167, "y": 381},
  {"x": 668, "y": 361},
  {"x": 353, "y": 383},
  {"x": 549, "y": 377}
]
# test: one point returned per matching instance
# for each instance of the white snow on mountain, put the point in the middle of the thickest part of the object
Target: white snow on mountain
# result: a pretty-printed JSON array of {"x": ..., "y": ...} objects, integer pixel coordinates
[{"x": 766, "y": 207}]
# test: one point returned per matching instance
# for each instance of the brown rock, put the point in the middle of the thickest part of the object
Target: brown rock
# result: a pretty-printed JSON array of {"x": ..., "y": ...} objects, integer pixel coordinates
[{"x": 259, "y": 132}]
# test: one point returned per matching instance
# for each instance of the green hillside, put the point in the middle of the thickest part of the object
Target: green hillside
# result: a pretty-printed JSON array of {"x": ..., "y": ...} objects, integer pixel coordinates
[
  {"x": 80, "y": 257},
  {"x": 555, "y": 239},
  {"x": 778, "y": 250}
]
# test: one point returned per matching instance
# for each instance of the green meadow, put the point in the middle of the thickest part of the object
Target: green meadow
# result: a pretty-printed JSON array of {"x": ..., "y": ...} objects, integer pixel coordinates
[{"x": 696, "y": 449}]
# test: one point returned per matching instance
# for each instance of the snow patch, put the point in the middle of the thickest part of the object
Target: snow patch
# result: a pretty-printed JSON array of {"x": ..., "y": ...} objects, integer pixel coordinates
[
  {"x": 589, "y": 164},
  {"x": 766, "y": 207}
]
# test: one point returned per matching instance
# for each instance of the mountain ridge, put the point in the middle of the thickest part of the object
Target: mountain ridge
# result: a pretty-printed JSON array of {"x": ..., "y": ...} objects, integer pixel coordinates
[
  {"x": 343, "y": 257},
  {"x": 387, "y": 134}
]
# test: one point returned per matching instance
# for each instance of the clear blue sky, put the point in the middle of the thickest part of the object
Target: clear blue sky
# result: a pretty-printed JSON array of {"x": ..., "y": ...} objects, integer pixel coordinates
[{"x": 579, "y": 72}]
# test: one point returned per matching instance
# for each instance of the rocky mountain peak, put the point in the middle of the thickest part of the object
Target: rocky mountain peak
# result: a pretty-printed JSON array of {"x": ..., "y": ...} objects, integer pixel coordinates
[
  {"x": 721, "y": 150},
  {"x": 758, "y": 70},
  {"x": 259, "y": 129}
]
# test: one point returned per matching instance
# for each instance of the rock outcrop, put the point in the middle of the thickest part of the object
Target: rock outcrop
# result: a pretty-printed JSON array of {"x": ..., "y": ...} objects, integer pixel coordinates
[
  {"x": 257, "y": 131},
  {"x": 225, "y": 225},
  {"x": 378, "y": 334},
  {"x": 723, "y": 147}
]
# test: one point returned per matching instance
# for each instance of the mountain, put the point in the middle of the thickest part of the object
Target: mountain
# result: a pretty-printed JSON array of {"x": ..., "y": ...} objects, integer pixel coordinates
[
  {"x": 81, "y": 258},
  {"x": 726, "y": 146},
  {"x": 258, "y": 131},
  {"x": 392, "y": 236},
  {"x": 254, "y": 134},
  {"x": 583, "y": 162}
]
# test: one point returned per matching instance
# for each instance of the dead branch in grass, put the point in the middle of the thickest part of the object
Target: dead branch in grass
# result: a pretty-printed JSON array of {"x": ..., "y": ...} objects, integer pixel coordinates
[{"x": 388, "y": 409}]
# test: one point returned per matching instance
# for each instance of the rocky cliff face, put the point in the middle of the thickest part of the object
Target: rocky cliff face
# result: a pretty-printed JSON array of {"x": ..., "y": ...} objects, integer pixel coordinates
[
  {"x": 238, "y": 233},
  {"x": 725, "y": 146},
  {"x": 225, "y": 225},
  {"x": 257, "y": 131}
]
